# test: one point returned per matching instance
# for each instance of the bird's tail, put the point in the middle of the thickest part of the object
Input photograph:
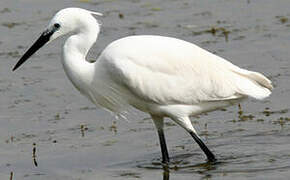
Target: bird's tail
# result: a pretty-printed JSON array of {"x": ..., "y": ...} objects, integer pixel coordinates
[{"x": 253, "y": 84}]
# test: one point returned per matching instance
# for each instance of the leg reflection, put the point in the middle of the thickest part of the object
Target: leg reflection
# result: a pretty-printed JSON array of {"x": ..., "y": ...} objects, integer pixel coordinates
[{"x": 166, "y": 173}]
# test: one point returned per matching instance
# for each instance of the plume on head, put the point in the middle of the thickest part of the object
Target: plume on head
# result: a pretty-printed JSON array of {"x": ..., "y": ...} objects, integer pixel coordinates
[{"x": 96, "y": 13}]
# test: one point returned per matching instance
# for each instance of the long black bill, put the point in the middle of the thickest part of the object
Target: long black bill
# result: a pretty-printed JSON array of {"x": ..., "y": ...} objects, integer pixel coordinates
[{"x": 42, "y": 40}]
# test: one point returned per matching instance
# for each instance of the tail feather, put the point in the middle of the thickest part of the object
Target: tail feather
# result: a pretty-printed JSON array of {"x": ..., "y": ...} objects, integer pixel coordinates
[
  {"x": 261, "y": 79},
  {"x": 254, "y": 84}
]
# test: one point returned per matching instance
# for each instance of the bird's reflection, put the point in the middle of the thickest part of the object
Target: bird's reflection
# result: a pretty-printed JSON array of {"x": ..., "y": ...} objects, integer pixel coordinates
[{"x": 166, "y": 174}]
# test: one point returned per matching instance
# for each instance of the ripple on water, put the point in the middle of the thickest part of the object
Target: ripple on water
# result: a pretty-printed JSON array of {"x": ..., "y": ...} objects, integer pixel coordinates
[{"x": 194, "y": 163}]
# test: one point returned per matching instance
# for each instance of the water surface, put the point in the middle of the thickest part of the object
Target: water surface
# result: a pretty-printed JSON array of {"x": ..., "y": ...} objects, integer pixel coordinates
[{"x": 49, "y": 131}]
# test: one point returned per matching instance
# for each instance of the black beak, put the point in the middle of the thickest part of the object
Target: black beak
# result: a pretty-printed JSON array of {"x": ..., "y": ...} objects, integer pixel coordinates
[{"x": 42, "y": 40}]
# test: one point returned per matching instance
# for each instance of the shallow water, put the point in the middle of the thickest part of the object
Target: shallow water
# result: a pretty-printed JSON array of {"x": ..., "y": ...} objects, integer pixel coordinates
[{"x": 49, "y": 131}]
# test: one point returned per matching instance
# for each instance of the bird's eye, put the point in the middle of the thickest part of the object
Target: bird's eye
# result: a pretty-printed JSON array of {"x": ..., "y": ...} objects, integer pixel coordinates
[{"x": 56, "y": 25}]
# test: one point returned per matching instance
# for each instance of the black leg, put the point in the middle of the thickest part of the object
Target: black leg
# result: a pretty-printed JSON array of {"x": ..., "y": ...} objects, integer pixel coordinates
[
  {"x": 165, "y": 157},
  {"x": 210, "y": 156}
]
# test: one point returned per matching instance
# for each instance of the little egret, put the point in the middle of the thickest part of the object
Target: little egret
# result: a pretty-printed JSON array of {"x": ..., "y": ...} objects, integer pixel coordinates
[{"x": 162, "y": 76}]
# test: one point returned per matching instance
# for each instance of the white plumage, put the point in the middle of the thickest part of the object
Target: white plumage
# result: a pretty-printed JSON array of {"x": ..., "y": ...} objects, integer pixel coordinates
[
  {"x": 152, "y": 72},
  {"x": 163, "y": 76}
]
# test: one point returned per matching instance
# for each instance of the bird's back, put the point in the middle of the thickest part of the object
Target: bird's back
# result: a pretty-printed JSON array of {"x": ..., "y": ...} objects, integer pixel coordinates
[{"x": 168, "y": 71}]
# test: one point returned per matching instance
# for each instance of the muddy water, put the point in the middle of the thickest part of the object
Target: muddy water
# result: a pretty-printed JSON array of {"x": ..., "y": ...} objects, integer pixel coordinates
[{"x": 49, "y": 131}]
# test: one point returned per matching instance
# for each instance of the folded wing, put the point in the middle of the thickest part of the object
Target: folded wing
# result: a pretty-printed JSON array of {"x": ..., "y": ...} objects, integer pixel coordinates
[{"x": 170, "y": 71}]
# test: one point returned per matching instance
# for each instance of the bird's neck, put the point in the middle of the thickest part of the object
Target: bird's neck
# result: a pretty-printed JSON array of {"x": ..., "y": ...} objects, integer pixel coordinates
[{"x": 75, "y": 50}]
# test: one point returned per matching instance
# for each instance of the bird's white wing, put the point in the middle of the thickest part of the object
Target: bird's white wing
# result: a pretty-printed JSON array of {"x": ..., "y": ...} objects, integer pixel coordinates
[{"x": 171, "y": 71}]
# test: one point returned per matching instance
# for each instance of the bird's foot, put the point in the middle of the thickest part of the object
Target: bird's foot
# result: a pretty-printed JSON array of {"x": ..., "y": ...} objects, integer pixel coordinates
[{"x": 211, "y": 160}]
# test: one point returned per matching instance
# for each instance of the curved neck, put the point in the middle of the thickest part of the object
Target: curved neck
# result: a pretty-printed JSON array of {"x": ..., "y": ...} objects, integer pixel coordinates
[{"x": 75, "y": 50}]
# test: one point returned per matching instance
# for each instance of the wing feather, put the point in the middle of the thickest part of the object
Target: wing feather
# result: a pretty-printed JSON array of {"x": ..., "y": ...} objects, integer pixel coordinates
[{"x": 166, "y": 70}]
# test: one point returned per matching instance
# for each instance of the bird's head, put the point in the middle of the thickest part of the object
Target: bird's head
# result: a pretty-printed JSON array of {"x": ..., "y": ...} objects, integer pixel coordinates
[{"x": 66, "y": 21}]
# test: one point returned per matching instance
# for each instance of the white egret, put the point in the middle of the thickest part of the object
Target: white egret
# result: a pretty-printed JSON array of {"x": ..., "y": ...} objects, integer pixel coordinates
[{"x": 162, "y": 76}]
